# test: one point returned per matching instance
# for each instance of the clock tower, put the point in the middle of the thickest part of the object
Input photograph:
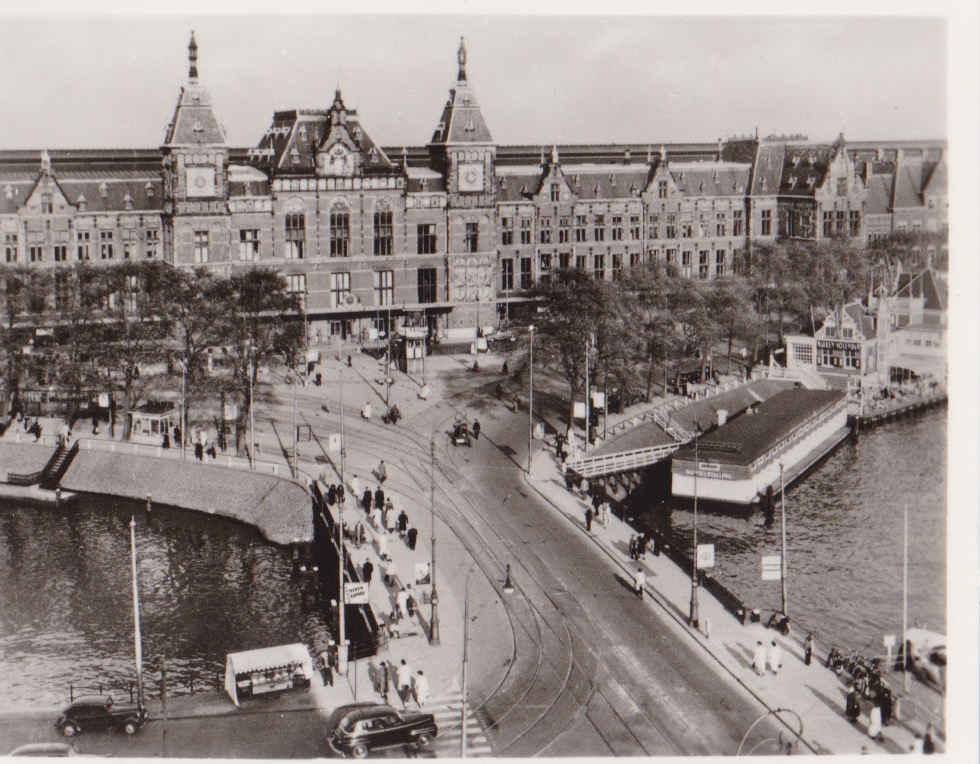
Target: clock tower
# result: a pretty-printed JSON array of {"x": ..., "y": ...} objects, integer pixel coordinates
[{"x": 195, "y": 175}]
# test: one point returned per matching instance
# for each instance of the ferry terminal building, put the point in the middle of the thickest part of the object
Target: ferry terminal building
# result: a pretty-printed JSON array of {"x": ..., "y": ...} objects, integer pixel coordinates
[{"x": 456, "y": 232}]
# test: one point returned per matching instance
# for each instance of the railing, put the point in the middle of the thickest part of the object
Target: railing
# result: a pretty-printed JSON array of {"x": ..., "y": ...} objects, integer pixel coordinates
[
  {"x": 140, "y": 449},
  {"x": 590, "y": 466}
]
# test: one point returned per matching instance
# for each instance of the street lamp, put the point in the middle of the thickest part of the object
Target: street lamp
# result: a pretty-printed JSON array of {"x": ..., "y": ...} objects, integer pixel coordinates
[
  {"x": 530, "y": 401},
  {"x": 183, "y": 407},
  {"x": 693, "y": 619},
  {"x": 466, "y": 640},
  {"x": 434, "y": 599}
]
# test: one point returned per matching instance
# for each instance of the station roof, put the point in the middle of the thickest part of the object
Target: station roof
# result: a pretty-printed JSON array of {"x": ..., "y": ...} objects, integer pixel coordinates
[{"x": 747, "y": 437}]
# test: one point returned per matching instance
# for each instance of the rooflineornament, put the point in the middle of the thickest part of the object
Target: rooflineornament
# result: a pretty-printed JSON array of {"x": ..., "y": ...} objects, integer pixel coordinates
[
  {"x": 192, "y": 59},
  {"x": 663, "y": 153},
  {"x": 45, "y": 161},
  {"x": 554, "y": 154},
  {"x": 461, "y": 57}
]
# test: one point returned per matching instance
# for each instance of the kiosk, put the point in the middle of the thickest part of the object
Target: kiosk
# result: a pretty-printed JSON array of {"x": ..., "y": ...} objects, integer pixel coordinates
[
  {"x": 151, "y": 420},
  {"x": 267, "y": 669}
]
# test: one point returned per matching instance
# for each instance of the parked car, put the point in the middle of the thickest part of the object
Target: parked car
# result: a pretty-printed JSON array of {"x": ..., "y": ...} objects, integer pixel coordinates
[
  {"x": 359, "y": 729},
  {"x": 88, "y": 714},
  {"x": 47, "y": 750}
]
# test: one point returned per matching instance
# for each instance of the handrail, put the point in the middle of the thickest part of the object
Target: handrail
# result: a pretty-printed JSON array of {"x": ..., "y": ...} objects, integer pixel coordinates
[{"x": 593, "y": 465}]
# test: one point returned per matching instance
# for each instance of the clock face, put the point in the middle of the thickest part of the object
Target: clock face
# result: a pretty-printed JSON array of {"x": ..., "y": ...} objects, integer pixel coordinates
[
  {"x": 200, "y": 181},
  {"x": 470, "y": 177}
]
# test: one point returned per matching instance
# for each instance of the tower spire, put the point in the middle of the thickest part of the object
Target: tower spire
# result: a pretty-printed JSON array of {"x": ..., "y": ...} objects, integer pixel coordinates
[
  {"x": 461, "y": 57},
  {"x": 192, "y": 58}
]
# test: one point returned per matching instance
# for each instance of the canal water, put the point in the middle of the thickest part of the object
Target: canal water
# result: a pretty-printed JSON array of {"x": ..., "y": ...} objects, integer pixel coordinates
[
  {"x": 208, "y": 586},
  {"x": 844, "y": 532}
]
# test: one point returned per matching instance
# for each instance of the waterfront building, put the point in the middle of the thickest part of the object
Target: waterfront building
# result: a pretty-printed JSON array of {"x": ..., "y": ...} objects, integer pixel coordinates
[
  {"x": 914, "y": 342},
  {"x": 845, "y": 346},
  {"x": 452, "y": 234}
]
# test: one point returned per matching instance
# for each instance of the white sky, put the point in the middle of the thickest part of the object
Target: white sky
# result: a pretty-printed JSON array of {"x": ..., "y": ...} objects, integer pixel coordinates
[{"x": 112, "y": 81}]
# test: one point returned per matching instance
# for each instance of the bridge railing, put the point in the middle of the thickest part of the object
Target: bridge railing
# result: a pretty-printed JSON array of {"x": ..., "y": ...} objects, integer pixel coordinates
[{"x": 589, "y": 466}]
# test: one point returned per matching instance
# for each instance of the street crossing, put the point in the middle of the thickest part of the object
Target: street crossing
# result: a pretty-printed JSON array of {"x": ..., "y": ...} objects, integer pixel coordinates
[{"x": 446, "y": 710}]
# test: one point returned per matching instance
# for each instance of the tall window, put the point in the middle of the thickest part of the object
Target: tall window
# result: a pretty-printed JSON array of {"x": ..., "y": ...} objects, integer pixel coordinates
[
  {"x": 662, "y": 189},
  {"x": 635, "y": 227},
  {"x": 563, "y": 259},
  {"x": 738, "y": 225},
  {"x": 555, "y": 192},
  {"x": 599, "y": 271},
  {"x": 580, "y": 228},
  {"x": 703, "y": 264},
  {"x": 855, "y": 222},
  {"x": 617, "y": 266},
  {"x": 382, "y": 232},
  {"x": 686, "y": 263},
  {"x": 828, "y": 224},
  {"x": 671, "y": 255},
  {"x": 152, "y": 246},
  {"x": 10, "y": 246},
  {"x": 471, "y": 239},
  {"x": 617, "y": 231},
  {"x": 339, "y": 288},
  {"x": 525, "y": 230},
  {"x": 719, "y": 263},
  {"x": 506, "y": 231},
  {"x": 599, "y": 231},
  {"x": 687, "y": 230},
  {"x": 105, "y": 245},
  {"x": 46, "y": 206},
  {"x": 248, "y": 244},
  {"x": 426, "y": 233},
  {"x": 839, "y": 229},
  {"x": 127, "y": 250},
  {"x": 767, "y": 222},
  {"x": 60, "y": 253},
  {"x": 384, "y": 287},
  {"x": 545, "y": 236},
  {"x": 563, "y": 225},
  {"x": 83, "y": 239},
  {"x": 339, "y": 232},
  {"x": 295, "y": 235},
  {"x": 670, "y": 227},
  {"x": 721, "y": 225},
  {"x": 202, "y": 241},
  {"x": 296, "y": 283},
  {"x": 427, "y": 284},
  {"x": 525, "y": 273},
  {"x": 580, "y": 262},
  {"x": 544, "y": 262},
  {"x": 507, "y": 274},
  {"x": 36, "y": 254}
]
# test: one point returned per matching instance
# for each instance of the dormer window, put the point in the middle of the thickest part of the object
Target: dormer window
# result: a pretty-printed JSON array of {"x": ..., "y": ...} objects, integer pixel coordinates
[
  {"x": 503, "y": 183},
  {"x": 524, "y": 189},
  {"x": 595, "y": 189},
  {"x": 294, "y": 156},
  {"x": 373, "y": 154},
  {"x": 714, "y": 177},
  {"x": 82, "y": 202},
  {"x": 792, "y": 181},
  {"x": 810, "y": 181},
  {"x": 357, "y": 133},
  {"x": 103, "y": 190},
  {"x": 470, "y": 126},
  {"x": 198, "y": 127},
  {"x": 128, "y": 201},
  {"x": 762, "y": 184},
  {"x": 149, "y": 189}
]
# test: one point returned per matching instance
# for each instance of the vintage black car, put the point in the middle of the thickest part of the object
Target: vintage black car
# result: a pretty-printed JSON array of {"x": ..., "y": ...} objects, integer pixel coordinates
[
  {"x": 88, "y": 714},
  {"x": 359, "y": 729}
]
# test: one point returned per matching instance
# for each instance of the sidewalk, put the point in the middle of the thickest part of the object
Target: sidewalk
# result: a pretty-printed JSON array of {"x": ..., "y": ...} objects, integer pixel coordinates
[{"x": 813, "y": 692}]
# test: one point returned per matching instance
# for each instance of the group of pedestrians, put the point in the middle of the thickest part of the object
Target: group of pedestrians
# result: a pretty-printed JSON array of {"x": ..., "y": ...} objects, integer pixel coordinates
[
  {"x": 767, "y": 658},
  {"x": 407, "y": 683}
]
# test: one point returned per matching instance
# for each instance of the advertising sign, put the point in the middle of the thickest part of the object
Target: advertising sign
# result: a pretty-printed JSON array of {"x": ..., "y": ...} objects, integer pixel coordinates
[
  {"x": 771, "y": 567},
  {"x": 578, "y": 410},
  {"x": 104, "y": 400},
  {"x": 836, "y": 345},
  {"x": 356, "y": 593},
  {"x": 598, "y": 399},
  {"x": 231, "y": 411},
  {"x": 706, "y": 555}
]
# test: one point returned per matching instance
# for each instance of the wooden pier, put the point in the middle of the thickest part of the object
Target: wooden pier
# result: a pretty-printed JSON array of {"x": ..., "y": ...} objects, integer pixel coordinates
[{"x": 884, "y": 412}]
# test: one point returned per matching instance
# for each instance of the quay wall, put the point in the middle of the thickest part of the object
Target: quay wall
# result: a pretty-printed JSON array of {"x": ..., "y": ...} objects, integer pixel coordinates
[{"x": 278, "y": 507}]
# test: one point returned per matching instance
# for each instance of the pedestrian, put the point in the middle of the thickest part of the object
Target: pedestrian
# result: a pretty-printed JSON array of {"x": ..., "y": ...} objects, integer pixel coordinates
[
  {"x": 476, "y": 429},
  {"x": 367, "y": 570},
  {"x": 641, "y": 546},
  {"x": 420, "y": 687},
  {"x": 198, "y": 451},
  {"x": 775, "y": 657},
  {"x": 759, "y": 658},
  {"x": 402, "y": 523},
  {"x": 639, "y": 581},
  {"x": 362, "y": 534},
  {"x": 341, "y": 493},
  {"x": 355, "y": 485},
  {"x": 401, "y": 600},
  {"x": 928, "y": 743},
  {"x": 326, "y": 670},
  {"x": 917, "y": 746},
  {"x": 382, "y": 546},
  {"x": 366, "y": 500},
  {"x": 177, "y": 441},
  {"x": 166, "y": 440},
  {"x": 382, "y": 471},
  {"x": 654, "y": 546},
  {"x": 212, "y": 454},
  {"x": 504, "y": 369},
  {"x": 331, "y": 495},
  {"x": 588, "y": 519},
  {"x": 404, "y": 681},
  {"x": 376, "y": 519},
  {"x": 852, "y": 705},
  {"x": 874, "y": 723},
  {"x": 887, "y": 705},
  {"x": 385, "y": 680},
  {"x": 391, "y": 522},
  {"x": 412, "y": 536},
  {"x": 379, "y": 497},
  {"x": 808, "y": 649}
]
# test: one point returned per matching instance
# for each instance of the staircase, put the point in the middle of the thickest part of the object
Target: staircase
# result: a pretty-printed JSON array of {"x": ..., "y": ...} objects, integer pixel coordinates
[{"x": 57, "y": 465}]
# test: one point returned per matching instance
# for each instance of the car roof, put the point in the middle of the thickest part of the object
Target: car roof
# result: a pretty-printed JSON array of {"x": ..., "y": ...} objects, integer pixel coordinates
[
  {"x": 90, "y": 700},
  {"x": 365, "y": 710}
]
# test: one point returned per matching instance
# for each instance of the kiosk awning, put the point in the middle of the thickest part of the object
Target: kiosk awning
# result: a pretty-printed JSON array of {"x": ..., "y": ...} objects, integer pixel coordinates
[{"x": 293, "y": 656}]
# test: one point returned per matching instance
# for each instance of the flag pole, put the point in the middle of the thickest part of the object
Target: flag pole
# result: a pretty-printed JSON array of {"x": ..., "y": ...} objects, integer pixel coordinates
[{"x": 137, "y": 636}]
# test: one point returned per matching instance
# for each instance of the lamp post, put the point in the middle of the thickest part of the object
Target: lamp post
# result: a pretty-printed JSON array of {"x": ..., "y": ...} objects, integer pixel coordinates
[
  {"x": 251, "y": 412},
  {"x": 137, "y": 637},
  {"x": 466, "y": 640},
  {"x": 693, "y": 620},
  {"x": 782, "y": 554},
  {"x": 434, "y": 599},
  {"x": 183, "y": 407},
  {"x": 342, "y": 638},
  {"x": 530, "y": 401},
  {"x": 295, "y": 425}
]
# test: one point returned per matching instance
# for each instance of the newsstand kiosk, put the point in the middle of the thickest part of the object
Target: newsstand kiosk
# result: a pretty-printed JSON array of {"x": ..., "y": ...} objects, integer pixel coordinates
[{"x": 268, "y": 669}]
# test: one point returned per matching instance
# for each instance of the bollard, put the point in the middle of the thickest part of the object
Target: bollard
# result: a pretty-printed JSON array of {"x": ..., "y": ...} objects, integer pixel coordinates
[
  {"x": 57, "y": 496},
  {"x": 508, "y": 585},
  {"x": 149, "y": 502}
]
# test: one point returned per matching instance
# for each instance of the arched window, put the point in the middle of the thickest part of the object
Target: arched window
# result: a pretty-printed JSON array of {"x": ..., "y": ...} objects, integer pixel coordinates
[
  {"x": 339, "y": 231},
  {"x": 382, "y": 229}
]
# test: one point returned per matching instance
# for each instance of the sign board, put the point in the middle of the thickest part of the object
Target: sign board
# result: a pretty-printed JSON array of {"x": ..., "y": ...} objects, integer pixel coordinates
[
  {"x": 598, "y": 399},
  {"x": 231, "y": 411},
  {"x": 889, "y": 641},
  {"x": 771, "y": 567},
  {"x": 578, "y": 410},
  {"x": 312, "y": 356},
  {"x": 104, "y": 400},
  {"x": 304, "y": 433},
  {"x": 356, "y": 593},
  {"x": 422, "y": 573},
  {"x": 42, "y": 332},
  {"x": 836, "y": 345},
  {"x": 706, "y": 556}
]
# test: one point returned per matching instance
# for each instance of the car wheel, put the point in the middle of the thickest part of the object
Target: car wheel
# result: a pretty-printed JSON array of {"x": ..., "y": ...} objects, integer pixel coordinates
[
  {"x": 69, "y": 729},
  {"x": 130, "y": 726},
  {"x": 359, "y": 751},
  {"x": 424, "y": 739}
]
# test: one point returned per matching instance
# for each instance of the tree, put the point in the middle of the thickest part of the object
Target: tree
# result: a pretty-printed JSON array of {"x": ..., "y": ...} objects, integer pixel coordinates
[
  {"x": 23, "y": 306},
  {"x": 259, "y": 326},
  {"x": 729, "y": 302}
]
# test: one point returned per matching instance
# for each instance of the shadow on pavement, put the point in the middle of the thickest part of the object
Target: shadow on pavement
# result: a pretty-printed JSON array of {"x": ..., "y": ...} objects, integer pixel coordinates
[{"x": 742, "y": 655}]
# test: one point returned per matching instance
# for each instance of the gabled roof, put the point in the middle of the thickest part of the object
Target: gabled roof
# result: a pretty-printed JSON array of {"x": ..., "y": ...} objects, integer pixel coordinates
[
  {"x": 805, "y": 168},
  {"x": 879, "y": 195},
  {"x": 922, "y": 285},
  {"x": 907, "y": 191},
  {"x": 517, "y": 184},
  {"x": 110, "y": 195},
  {"x": 194, "y": 123},
  {"x": 461, "y": 121},
  {"x": 937, "y": 182},
  {"x": 710, "y": 178},
  {"x": 861, "y": 319},
  {"x": 768, "y": 169}
]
